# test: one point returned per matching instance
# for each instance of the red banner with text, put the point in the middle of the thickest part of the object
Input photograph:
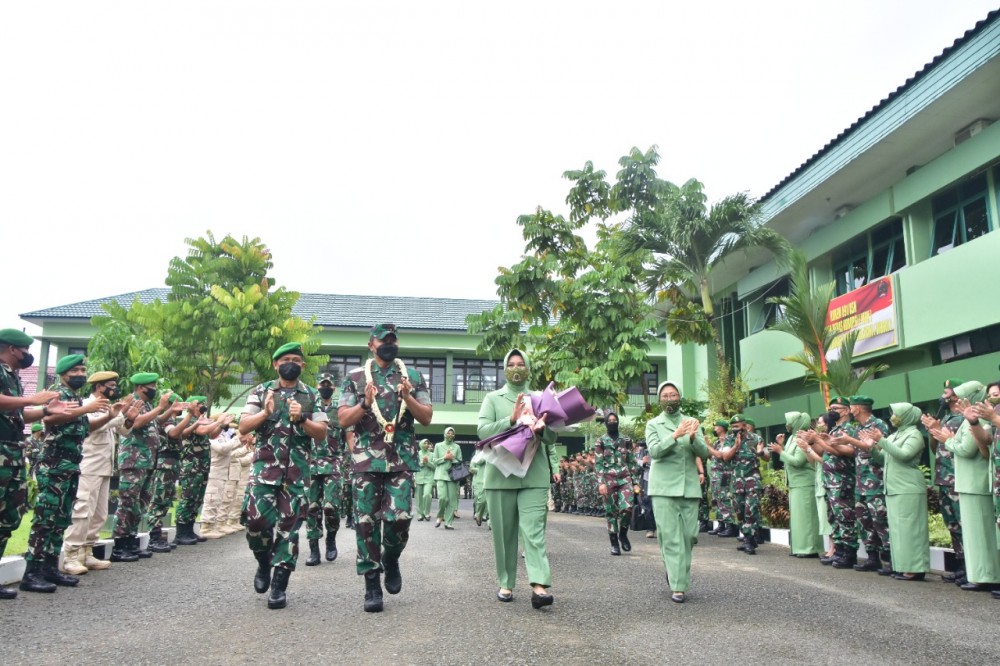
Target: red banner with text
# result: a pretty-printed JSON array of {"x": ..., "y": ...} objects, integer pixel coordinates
[{"x": 871, "y": 311}]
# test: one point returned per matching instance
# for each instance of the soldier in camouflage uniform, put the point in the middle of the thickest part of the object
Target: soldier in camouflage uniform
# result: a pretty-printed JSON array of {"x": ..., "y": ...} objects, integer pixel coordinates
[
  {"x": 944, "y": 475},
  {"x": 381, "y": 400},
  {"x": 326, "y": 484},
  {"x": 14, "y": 346},
  {"x": 839, "y": 482},
  {"x": 34, "y": 446},
  {"x": 172, "y": 428},
  {"x": 873, "y": 521},
  {"x": 721, "y": 485},
  {"x": 615, "y": 470},
  {"x": 58, "y": 477},
  {"x": 196, "y": 463},
  {"x": 741, "y": 457},
  {"x": 136, "y": 466},
  {"x": 347, "y": 496},
  {"x": 286, "y": 418},
  {"x": 704, "y": 505}
]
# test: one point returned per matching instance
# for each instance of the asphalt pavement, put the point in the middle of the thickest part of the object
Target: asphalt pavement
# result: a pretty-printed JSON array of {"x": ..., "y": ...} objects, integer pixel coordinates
[{"x": 197, "y": 605}]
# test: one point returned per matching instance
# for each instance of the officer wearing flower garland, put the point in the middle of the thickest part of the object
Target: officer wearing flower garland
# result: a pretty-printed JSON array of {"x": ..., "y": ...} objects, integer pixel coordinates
[
  {"x": 286, "y": 417},
  {"x": 381, "y": 400}
]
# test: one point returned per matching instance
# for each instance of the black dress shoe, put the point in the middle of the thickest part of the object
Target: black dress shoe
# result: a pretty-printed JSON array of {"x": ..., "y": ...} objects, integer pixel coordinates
[
  {"x": 810, "y": 556},
  {"x": 995, "y": 593},
  {"x": 7, "y": 592},
  {"x": 978, "y": 587},
  {"x": 909, "y": 576},
  {"x": 677, "y": 597},
  {"x": 505, "y": 597},
  {"x": 438, "y": 523},
  {"x": 541, "y": 600}
]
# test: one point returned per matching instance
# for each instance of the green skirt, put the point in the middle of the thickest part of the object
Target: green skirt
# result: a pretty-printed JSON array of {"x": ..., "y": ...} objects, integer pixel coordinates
[{"x": 911, "y": 546}]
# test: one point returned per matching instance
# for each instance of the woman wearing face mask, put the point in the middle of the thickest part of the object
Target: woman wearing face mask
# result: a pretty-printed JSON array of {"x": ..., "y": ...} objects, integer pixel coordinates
[
  {"x": 423, "y": 480},
  {"x": 801, "y": 475},
  {"x": 518, "y": 505},
  {"x": 972, "y": 481},
  {"x": 614, "y": 465},
  {"x": 446, "y": 454},
  {"x": 906, "y": 493},
  {"x": 674, "y": 441}
]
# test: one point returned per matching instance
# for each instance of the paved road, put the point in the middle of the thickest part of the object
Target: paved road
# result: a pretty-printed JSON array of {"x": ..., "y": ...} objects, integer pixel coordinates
[{"x": 197, "y": 605}]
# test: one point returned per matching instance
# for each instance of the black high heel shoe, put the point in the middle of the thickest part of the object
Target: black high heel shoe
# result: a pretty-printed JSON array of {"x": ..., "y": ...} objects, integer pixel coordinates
[
  {"x": 541, "y": 600},
  {"x": 505, "y": 597}
]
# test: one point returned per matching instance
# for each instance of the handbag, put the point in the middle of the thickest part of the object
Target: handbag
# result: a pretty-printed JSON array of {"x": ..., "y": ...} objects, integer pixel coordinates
[{"x": 459, "y": 471}]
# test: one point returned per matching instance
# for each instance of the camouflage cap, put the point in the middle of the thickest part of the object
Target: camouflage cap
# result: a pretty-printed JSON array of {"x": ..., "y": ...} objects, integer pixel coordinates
[
  {"x": 324, "y": 377},
  {"x": 36, "y": 427},
  {"x": 12, "y": 336},
  {"x": 379, "y": 331},
  {"x": 67, "y": 363},
  {"x": 143, "y": 378},
  {"x": 862, "y": 400},
  {"x": 953, "y": 383},
  {"x": 287, "y": 348}
]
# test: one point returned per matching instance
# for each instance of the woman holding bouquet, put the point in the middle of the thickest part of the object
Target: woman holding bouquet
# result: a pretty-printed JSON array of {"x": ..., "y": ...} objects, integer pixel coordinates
[{"x": 517, "y": 504}]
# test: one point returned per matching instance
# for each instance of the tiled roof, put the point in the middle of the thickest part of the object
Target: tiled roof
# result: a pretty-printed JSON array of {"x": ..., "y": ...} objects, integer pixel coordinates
[
  {"x": 330, "y": 310},
  {"x": 969, "y": 34}
]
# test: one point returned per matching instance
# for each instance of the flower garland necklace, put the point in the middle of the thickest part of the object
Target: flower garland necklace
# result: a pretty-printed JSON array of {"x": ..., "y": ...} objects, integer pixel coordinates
[{"x": 389, "y": 428}]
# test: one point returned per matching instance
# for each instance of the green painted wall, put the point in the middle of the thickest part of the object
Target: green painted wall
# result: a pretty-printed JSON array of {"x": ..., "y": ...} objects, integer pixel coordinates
[{"x": 762, "y": 353}]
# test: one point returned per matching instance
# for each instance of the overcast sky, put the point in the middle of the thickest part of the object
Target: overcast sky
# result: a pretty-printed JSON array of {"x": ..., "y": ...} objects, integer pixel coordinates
[{"x": 388, "y": 147}]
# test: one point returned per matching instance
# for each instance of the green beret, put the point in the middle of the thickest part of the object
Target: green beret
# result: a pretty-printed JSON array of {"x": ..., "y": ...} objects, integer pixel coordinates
[
  {"x": 722, "y": 423},
  {"x": 143, "y": 378},
  {"x": 843, "y": 402},
  {"x": 67, "y": 363},
  {"x": 197, "y": 398},
  {"x": 285, "y": 349},
  {"x": 738, "y": 418},
  {"x": 324, "y": 377},
  {"x": 379, "y": 331},
  {"x": 12, "y": 336},
  {"x": 953, "y": 383},
  {"x": 750, "y": 422},
  {"x": 174, "y": 398},
  {"x": 862, "y": 400},
  {"x": 36, "y": 427}
]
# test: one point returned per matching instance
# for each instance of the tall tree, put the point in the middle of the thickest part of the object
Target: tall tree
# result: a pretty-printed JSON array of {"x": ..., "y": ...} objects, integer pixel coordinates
[{"x": 577, "y": 309}]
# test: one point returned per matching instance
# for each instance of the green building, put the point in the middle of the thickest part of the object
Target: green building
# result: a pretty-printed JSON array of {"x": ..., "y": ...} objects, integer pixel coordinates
[{"x": 907, "y": 194}]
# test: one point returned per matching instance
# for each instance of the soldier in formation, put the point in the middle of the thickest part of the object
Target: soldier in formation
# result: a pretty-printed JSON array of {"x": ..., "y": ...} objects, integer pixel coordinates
[
  {"x": 326, "y": 479},
  {"x": 615, "y": 469}
]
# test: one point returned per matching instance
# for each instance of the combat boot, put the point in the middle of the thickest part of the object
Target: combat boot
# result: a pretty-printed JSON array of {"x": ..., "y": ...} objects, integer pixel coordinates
[
  {"x": 827, "y": 560},
  {"x": 51, "y": 573},
  {"x": 140, "y": 552},
  {"x": 393, "y": 578},
  {"x": 157, "y": 541},
  {"x": 373, "y": 592},
  {"x": 71, "y": 562},
  {"x": 349, "y": 523},
  {"x": 750, "y": 545},
  {"x": 704, "y": 526},
  {"x": 730, "y": 531},
  {"x": 33, "y": 580},
  {"x": 185, "y": 535},
  {"x": 615, "y": 549},
  {"x": 91, "y": 562},
  {"x": 871, "y": 564},
  {"x": 121, "y": 552},
  {"x": 623, "y": 539},
  {"x": 208, "y": 531},
  {"x": 262, "y": 578},
  {"x": 718, "y": 528},
  {"x": 847, "y": 559},
  {"x": 313, "y": 553},
  {"x": 276, "y": 599},
  {"x": 886, "y": 568},
  {"x": 331, "y": 546},
  {"x": 234, "y": 525}
]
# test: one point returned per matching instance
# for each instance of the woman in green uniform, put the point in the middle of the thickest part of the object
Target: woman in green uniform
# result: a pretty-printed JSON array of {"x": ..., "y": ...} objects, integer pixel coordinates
[
  {"x": 446, "y": 454},
  {"x": 423, "y": 480},
  {"x": 477, "y": 466},
  {"x": 906, "y": 493},
  {"x": 515, "y": 504},
  {"x": 801, "y": 474},
  {"x": 674, "y": 442}
]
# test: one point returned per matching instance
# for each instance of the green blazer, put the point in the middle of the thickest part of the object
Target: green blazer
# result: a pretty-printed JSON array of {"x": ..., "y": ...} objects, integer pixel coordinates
[
  {"x": 442, "y": 466},
  {"x": 494, "y": 418},
  {"x": 426, "y": 472},
  {"x": 798, "y": 470},
  {"x": 902, "y": 475},
  {"x": 972, "y": 470},
  {"x": 672, "y": 470}
]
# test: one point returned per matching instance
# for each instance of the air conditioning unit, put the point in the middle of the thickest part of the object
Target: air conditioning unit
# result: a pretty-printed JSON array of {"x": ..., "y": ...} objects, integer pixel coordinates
[{"x": 972, "y": 130}]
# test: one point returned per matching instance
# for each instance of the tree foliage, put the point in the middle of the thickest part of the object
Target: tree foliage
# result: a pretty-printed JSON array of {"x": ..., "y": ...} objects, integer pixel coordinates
[{"x": 128, "y": 341}]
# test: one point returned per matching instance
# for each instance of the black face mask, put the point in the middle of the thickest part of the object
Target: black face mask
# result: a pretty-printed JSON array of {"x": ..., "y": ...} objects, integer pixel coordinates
[
  {"x": 76, "y": 382},
  {"x": 289, "y": 371},
  {"x": 202, "y": 409},
  {"x": 149, "y": 394},
  {"x": 26, "y": 361},
  {"x": 112, "y": 393},
  {"x": 326, "y": 392},
  {"x": 612, "y": 429},
  {"x": 387, "y": 352}
]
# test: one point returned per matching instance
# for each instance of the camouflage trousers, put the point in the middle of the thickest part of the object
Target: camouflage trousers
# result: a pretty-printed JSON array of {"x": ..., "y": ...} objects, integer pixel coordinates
[
  {"x": 704, "y": 506},
  {"x": 193, "y": 482},
  {"x": 618, "y": 507},
  {"x": 273, "y": 516},
  {"x": 325, "y": 491},
  {"x": 135, "y": 490},
  {"x": 873, "y": 523},
  {"x": 746, "y": 503},
  {"x": 722, "y": 496},
  {"x": 347, "y": 497},
  {"x": 164, "y": 492},
  {"x": 13, "y": 499},
  {"x": 841, "y": 515},
  {"x": 383, "y": 502},
  {"x": 952, "y": 515},
  {"x": 53, "y": 513},
  {"x": 566, "y": 493}
]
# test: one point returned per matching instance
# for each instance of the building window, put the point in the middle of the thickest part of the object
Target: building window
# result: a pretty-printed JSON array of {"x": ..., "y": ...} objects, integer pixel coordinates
[
  {"x": 770, "y": 313},
  {"x": 76, "y": 350},
  {"x": 878, "y": 253},
  {"x": 474, "y": 378},
  {"x": 433, "y": 371},
  {"x": 961, "y": 214},
  {"x": 339, "y": 366}
]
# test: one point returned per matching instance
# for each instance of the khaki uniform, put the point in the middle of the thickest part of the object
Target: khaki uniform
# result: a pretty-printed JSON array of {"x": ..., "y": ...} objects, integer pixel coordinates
[
  {"x": 236, "y": 483},
  {"x": 213, "y": 510}
]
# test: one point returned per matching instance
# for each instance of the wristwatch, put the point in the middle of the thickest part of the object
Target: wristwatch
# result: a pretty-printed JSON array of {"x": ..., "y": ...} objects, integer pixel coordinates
[{"x": 365, "y": 406}]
